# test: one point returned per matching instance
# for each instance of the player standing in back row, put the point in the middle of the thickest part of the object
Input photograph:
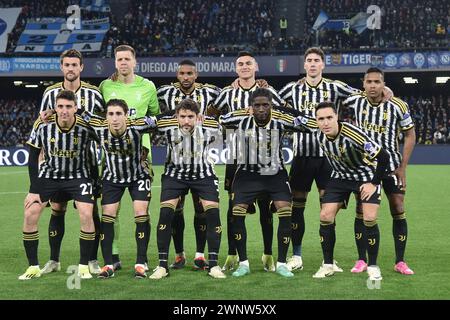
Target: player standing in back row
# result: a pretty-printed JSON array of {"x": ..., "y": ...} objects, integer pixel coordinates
[
  {"x": 88, "y": 98},
  {"x": 309, "y": 163},
  {"x": 383, "y": 121}
]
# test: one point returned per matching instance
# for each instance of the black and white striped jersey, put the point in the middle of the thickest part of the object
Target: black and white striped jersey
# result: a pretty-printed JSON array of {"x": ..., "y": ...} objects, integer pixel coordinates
[
  {"x": 305, "y": 97},
  {"x": 258, "y": 148},
  {"x": 88, "y": 98},
  {"x": 66, "y": 152},
  {"x": 231, "y": 99},
  {"x": 188, "y": 153},
  {"x": 170, "y": 96},
  {"x": 351, "y": 153},
  {"x": 123, "y": 153},
  {"x": 382, "y": 122}
]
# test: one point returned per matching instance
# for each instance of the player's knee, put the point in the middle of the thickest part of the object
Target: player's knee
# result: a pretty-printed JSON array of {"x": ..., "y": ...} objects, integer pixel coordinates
[
  {"x": 59, "y": 207},
  {"x": 398, "y": 215},
  {"x": 327, "y": 215},
  {"x": 397, "y": 207},
  {"x": 31, "y": 215},
  {"x": 370, "y": 216},
  {"x": 58, "y": 213},
  {"x": 86, "y": 216}
]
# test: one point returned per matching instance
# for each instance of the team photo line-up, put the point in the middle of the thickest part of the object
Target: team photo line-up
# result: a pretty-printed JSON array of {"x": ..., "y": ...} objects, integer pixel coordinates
[{"x": 251, "y": 118}]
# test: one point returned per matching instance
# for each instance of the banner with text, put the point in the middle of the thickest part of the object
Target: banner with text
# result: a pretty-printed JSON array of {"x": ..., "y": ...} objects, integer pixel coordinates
[
  {"x": 269, "y": 66},
  {"x": 53, "y": 35},
  {"x": 8, "y": 19},
  {"x": 422, "y": 154}
]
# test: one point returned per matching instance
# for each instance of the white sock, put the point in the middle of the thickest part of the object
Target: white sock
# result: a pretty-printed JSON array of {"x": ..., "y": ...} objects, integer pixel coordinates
[
  {"x": 279, "y": 264},
  {"x": 244, "y": 263},
  {"x": 199, "y": 254}
]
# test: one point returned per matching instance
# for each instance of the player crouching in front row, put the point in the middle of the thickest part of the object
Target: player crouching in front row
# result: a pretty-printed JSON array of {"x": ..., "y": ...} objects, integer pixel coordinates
[
  {"x": 120, "y": 139},
  {"x": 358, "y": 165},
  {"x": 188, "y": 167},
  {"x": 65, "y": 140}
]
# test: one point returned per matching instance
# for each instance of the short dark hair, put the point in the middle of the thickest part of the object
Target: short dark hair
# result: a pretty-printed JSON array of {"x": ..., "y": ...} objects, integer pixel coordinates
[
  {"x": 187, "y": 62},
  {"x": 375, "y": 70},
  {"x": 315, "y": 50},
  {"x": 71, "y": 53},
  {"x": 245, "y": 54},
  {"x": 68, "y": 95},
  {"x": 188, "y": 104},
  {"x": 125, "y": 47},
  {"x": 262, "y": 92},
  {"x": 326, "y": 104},
  {"x": 118, "y": 103}
]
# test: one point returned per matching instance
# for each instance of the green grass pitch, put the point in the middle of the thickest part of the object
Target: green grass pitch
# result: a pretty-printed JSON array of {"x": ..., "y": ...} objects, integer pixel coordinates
[{"x": 427, "y": 207}]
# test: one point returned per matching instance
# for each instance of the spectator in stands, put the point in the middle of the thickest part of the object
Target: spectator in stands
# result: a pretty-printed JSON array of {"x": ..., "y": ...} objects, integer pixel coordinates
[
  {"x": 283, "y": 27},
  {"x": 439, "y": 136}
]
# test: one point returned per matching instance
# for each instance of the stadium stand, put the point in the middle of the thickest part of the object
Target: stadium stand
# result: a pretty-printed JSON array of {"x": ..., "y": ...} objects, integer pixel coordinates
[
  {"x": 219, "y": 27},
  {"x": 16, "y": 119},
  {"x": 405, "y": 24},
  {"x": 193, "y": 27}
]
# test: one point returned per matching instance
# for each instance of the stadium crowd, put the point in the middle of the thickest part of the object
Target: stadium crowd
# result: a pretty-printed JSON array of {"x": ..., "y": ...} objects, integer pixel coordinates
[
  {"x": 190, "y": 27},
  {"x": 404, "y": 24},
  {"x": 219, "y": 27},
  {"x": 16, "y": 120}
]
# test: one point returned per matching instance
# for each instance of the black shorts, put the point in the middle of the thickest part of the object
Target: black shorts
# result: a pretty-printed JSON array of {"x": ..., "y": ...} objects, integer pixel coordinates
[
  {"x": 249, "y": 186},
  {"x": 230, "y": 171},
  {"x": 305, "y": 170},
  {"x": 339, "y": 190},
  {"x": 113, "y": 192},
  {"x": 60, "y": 197},
  {"x": 173, "y": 188},
  {"x": 77, "y": 189},
  {"x": 391, "y": 185}
]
